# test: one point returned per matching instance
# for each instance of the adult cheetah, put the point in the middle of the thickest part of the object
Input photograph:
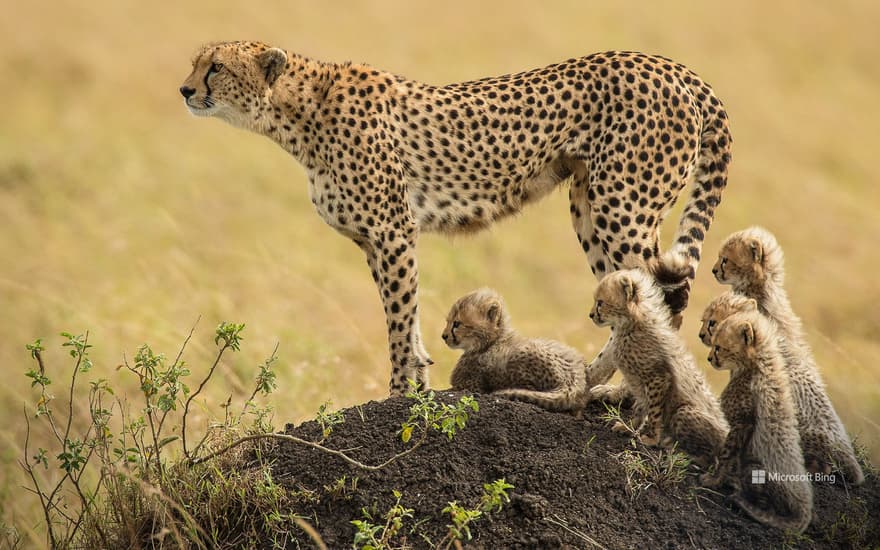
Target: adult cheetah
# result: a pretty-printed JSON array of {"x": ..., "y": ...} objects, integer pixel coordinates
[{"x": 388, "y": 157}]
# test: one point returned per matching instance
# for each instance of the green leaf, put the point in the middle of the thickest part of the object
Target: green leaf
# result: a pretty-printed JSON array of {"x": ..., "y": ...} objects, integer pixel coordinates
[
  {"x": 168, "y": 440},
  {"x": 406, "y": 433}
]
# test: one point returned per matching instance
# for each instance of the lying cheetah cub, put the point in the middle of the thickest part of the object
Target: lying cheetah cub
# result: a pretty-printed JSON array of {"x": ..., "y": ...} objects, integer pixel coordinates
[
  {"x": 673, "y": 401},
  {"x": 763, "y": 428},
  {"x": 497, "y": 360},
  {"x": 752, "y": 262}
]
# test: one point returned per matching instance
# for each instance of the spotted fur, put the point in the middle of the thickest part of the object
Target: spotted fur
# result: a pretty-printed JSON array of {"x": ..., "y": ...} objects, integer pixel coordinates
[
  {"x": 497, "y": 360},
  {"x": 752, "y": 262},
  {"x": 389, "y": 157},
  {"x": 672, "y": 397},
  {"x": 759, "y": 408}
]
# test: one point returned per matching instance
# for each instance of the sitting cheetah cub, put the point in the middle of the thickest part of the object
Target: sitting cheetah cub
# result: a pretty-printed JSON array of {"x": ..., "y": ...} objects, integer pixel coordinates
[
  {"x": 723, "y": 306},
  {"x": 673, "y": 401},
  {"x": 763, "y": 427},
  {"x": 497, "y": 360},
  {"x": 751, "y": 261}
]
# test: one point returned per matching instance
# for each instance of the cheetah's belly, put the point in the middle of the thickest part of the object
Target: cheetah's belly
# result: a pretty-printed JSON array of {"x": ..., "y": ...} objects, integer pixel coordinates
[{"x": 461, "y": 207}]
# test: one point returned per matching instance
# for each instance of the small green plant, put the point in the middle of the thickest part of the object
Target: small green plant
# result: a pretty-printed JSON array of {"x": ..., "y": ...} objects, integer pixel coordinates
[
  {"x": 850, "y": 527},
  {"x": 428, "y": 413},
  {"x": 106, "y": 480},
  {"x": 612, "y": 414},
  {"x": 327, "y": 420},
  {"x": 373, "y": 536},
  {"x": 462, "y": 517},
  {"x": 588, "y": 444},
  {"x": 494, "y": 497},
  {"x": 663, "y": 468},
  {"x": 341, "y": 488}
]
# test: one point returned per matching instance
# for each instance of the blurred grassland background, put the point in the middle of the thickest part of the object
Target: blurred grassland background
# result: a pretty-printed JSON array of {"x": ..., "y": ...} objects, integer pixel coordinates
[{"x": 124, "y": 216}]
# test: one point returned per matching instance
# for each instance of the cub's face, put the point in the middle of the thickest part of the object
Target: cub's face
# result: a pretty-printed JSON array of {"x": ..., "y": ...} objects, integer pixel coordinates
[
  {"x": 739, "y": 261},
  {"x": 720, "y": 309},
  {"x": 733, "y": 343},
  {"x": 229, "y": 80},
  {"x": 615, "y": 299},
  {"x": 475, "y": 321}
]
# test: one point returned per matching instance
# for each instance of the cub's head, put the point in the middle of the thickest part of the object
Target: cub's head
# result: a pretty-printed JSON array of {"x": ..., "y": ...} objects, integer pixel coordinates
[
  {"x": 721, "y": 308},
  {"x": 230, "y": 79},
  {"x": 738, "y": 339},
  {"x": 476, "y": 320},
  {"x": 627, "y": 295},
  {"x": 749, "y": 258}
]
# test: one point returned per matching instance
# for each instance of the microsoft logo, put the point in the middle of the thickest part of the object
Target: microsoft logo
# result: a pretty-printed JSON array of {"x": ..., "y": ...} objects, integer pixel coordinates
[{"x": 759, "y": 477}]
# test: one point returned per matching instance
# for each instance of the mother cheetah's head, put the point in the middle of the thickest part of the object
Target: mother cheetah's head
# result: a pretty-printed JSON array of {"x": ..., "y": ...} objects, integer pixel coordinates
[{"x": 230, "y": 79}]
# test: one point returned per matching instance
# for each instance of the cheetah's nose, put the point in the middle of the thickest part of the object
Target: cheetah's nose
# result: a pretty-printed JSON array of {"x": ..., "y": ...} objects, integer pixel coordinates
[
  {"x": 187, "y": 92},
  {"x": 445, "y": 337},
  {"x": 592, "y": 315}
]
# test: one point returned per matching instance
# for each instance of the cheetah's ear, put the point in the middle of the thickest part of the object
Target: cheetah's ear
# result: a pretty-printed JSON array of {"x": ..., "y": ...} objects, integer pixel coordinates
[
  {"x": 628, "y": 286},
  {"x": 751, "y": 304},
  {"x": 272, "y": 62},
  {"x": 757, "y": 251},
  {"x": 748, "y": 334},
  {"x": 494, "y": 312}
]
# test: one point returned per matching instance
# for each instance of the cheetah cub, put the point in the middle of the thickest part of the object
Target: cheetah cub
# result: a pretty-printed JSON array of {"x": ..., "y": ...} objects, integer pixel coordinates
[
  {"x": 719, "y": 309},
  {"x": 763, "y": 427},
  {"x": 673, "y": 401},
  {"x": 751, "y": 261},
  {"x": 497, "y": 360}
]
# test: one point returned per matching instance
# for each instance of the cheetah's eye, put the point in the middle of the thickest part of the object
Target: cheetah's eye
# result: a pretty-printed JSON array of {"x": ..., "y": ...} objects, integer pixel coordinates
[
  {"x": 710, "y": 323},
  {"x": 456, "y": 324},
  {"x": 599, "y": 304},
  {"x": 215, "y": 68}
]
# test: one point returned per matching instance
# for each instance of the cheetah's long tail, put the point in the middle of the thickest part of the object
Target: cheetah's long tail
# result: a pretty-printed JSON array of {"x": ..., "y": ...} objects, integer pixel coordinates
[
  {"x": 802, "y": 514},
  {"x": 709, "y": 180},
  {"x": 561, "y": 400}
]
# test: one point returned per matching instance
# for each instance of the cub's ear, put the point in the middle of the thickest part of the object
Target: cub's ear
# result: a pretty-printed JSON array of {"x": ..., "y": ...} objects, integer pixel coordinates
[
  {"x": 757, "y": 251},
  {"x": 628, "y": 287},
  {"x": 272, "y": 63},
  {"x": 494, "y": 312},
  {"x": 748, "y": 334},
  {"x": 751, "y": 305}
]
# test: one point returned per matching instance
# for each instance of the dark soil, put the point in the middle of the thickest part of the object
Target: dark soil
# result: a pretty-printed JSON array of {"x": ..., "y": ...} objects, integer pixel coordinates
[{"x": 570, "y": 487}]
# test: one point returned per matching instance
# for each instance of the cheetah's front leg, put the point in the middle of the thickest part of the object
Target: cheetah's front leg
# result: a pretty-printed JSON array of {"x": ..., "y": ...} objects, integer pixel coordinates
[{"x": 391, "y": 255}]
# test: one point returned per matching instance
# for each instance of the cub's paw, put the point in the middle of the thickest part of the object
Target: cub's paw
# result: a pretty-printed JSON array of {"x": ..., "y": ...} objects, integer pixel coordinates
[
  {"x": 606, "y": 392},
  {"x": 649, "y": 440}
]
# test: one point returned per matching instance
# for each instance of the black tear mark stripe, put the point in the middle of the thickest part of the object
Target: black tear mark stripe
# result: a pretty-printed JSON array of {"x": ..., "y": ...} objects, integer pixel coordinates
[{"x": 207, "y": 86}]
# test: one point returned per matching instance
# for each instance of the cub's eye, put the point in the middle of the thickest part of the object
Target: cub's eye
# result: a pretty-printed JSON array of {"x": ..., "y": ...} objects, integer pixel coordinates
[
  {"x": 710, "y": 323},
  {"x": 456, "y": 324},
  {"x": 215, "y": 67},
  {"x": 599, "y": 303}
]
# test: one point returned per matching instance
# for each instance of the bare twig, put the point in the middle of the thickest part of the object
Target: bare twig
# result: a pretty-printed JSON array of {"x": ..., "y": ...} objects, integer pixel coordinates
[
  {"x": 193, "y": 395},
  {"x": 293, "y": 438},
  {"x": 26, "y": 464},
  {"x": 556, "y": 520},
  {"x": 311, "y": 532}
]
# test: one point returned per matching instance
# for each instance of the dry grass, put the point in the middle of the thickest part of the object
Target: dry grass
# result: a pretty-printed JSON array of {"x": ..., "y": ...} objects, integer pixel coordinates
[{"x": 125, "y": 216}]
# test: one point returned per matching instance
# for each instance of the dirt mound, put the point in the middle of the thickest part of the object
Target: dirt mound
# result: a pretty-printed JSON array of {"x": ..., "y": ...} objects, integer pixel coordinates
[{"x": 571, "y": 487}]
